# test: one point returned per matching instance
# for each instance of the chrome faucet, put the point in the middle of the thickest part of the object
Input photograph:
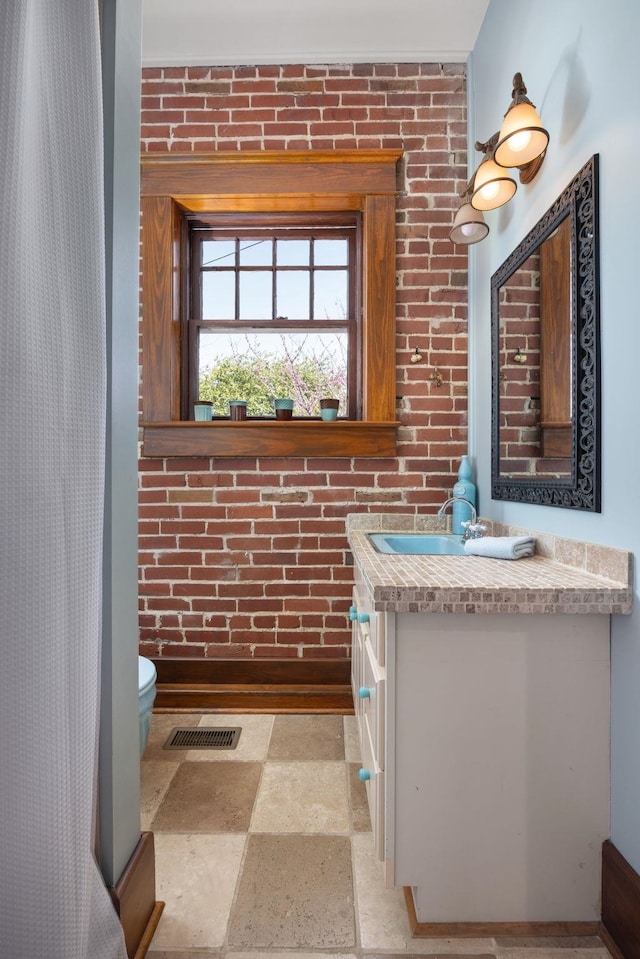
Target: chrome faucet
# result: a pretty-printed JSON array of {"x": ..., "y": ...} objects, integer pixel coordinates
[{"x": 472, "y": 529}]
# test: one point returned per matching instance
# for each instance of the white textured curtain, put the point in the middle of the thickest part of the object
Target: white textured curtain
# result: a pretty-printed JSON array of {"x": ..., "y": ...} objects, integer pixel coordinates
[{"x": 53, "y": 902}]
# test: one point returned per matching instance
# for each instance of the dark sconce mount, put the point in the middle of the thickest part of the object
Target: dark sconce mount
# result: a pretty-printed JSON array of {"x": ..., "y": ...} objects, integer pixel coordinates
[{"x": 520, "y": 143}]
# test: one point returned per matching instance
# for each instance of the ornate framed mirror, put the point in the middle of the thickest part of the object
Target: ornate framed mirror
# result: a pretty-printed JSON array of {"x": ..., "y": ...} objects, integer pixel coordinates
[{"x": 545, "y": 382}]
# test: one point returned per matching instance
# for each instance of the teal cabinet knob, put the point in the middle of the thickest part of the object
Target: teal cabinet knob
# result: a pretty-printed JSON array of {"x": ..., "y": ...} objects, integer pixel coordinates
[
  {"x": 364, "y": 692},
  {"x": 363, "y": 617},
  {"x": 364, "y": 775},
  {"x": 353, "y": 613}
]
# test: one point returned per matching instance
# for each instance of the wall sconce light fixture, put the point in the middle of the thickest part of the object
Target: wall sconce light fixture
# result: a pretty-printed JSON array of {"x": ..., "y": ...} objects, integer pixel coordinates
[
  {"x": 468, "y": 224},
  {"x": 492, "y": 186},
  {"x": 521, "y": 142}
]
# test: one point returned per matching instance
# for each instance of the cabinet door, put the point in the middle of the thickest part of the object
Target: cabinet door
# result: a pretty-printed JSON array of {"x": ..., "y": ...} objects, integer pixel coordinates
[
  {"x": 375, "y": 790},
  {"x": 372, "y": 697}
]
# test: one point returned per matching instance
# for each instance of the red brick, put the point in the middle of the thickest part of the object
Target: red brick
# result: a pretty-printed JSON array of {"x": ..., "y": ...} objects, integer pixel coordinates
[{"x": 277, "y": 568}]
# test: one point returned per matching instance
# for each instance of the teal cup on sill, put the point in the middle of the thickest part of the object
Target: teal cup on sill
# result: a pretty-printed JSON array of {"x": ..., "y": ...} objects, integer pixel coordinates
[
  {"x": 203, "y": 411},
  {"x": 329, "y": 414},
  {"x": 283, "y": 407},
  {"x": 329, "y": 408}
]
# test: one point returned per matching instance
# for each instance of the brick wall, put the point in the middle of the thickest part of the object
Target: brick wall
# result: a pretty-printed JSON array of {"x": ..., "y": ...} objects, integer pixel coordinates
[
  {"x": 247, "y": 557},
  {"x": 520, "y": 381}
]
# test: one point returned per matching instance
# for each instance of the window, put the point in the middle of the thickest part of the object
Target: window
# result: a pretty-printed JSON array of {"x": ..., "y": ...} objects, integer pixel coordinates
[
  {"x": 287, "y": 204},
  {"x": 273, "y": 311}
]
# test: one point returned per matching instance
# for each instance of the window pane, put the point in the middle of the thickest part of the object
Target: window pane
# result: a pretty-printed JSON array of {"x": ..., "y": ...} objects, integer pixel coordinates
[
  {"x": 218, "y": 295},
  {"x": 256, "y": 252},
  {"x": 293, "y": 252},
  {"x": 292, "y": 289},
  {"x": 259, "y": 367},
  {"x": 330, "y": 252},
  {"x": 255, "y": 296},
  {"x": 330, "y": 295},
  {"x": 218, "y": 253}
]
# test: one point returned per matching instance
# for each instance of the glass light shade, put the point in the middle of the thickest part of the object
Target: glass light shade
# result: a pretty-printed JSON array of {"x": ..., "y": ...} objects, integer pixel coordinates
[
  {"x": 468, "y": 226},
  {"x": 522, "y": 137},
  {"x": 492, "y": 187}
]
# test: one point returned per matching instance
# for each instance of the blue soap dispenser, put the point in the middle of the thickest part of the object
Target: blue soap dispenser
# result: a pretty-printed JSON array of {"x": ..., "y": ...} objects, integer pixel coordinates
[{"x": 465, "y": 488}]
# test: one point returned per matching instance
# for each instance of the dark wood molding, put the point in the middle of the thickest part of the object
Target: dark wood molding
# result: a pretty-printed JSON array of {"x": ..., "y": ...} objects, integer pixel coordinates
[
  {"x": 267, "y": 182},
  {"x": 253, "y": 686},
  {"x": 228, "y": 173},
  {"x": 461, "y": 930},
  {"x": 270, "y": 438},
  {"x": 134, "y": 898},
  {"x": 620, "y": 904}
]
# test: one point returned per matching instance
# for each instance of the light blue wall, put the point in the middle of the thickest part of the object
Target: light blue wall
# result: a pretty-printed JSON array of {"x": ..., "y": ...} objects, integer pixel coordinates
[
  {"x": 119, "y": 772},
  {"x": 579, "y": 61}
]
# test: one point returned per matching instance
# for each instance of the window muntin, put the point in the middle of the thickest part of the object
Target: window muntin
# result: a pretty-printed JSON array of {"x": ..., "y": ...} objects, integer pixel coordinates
[{"x": 280, "y": 304}]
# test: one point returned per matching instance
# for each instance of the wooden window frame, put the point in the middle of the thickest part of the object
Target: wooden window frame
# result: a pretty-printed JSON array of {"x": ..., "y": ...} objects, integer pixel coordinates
[
  {"x": 268, "y": 226},
  {"x": 279, "y": 181}
]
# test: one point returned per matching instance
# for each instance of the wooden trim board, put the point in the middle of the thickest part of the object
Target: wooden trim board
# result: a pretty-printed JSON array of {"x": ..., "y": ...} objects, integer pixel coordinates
[
  {"x": 253, "y": 686},
  {"x": 134, "y": 898},
  {"x": 461, "y": 930},
  {"x": 620, "y": 904}
]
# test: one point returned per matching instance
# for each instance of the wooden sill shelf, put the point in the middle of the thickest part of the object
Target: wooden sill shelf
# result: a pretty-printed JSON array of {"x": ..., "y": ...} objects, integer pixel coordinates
[{"x": 270, "y": 438}]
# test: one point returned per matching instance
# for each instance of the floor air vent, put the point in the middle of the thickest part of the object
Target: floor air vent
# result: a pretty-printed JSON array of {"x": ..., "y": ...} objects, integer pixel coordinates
[{"x": 200, "y": 737}]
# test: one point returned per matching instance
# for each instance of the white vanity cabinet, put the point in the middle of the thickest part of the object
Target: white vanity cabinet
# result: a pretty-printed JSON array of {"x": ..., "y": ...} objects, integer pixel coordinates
[
  {"x": 368, "y": 682},
  {"x": 486, "y": 743}
]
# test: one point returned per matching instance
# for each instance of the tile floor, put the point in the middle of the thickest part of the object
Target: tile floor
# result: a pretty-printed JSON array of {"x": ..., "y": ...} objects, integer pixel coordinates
[{"x": 265, "y": 851}]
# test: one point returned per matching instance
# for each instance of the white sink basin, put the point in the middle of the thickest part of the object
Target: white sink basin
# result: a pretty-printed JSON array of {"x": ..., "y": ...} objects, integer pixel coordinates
[{"x": 421, "y": 544}]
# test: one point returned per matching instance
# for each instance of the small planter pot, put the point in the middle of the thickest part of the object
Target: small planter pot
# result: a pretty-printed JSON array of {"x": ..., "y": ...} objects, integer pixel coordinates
[
  {"x": 283, "y": 408},
  {"x": 203, "y": 410},
  {"x": 329, "y": 408},
  {"x": 238, "y": 409}
]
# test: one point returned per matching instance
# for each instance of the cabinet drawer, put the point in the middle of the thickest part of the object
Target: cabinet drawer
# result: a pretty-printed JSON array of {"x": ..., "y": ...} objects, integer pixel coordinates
[
  {"x": 371, "y": 622},
  {"x": 371, "y": 694},
  {"x": 375, "y": 790},
  {"x": 357, "y": 668}
]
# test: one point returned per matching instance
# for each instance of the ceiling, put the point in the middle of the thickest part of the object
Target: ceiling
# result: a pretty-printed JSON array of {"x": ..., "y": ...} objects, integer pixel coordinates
[{"x": 212, "y": 33}]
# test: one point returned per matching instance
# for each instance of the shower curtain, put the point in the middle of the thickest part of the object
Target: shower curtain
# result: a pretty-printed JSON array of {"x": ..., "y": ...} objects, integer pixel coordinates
[{"x": 53, "y": 901}]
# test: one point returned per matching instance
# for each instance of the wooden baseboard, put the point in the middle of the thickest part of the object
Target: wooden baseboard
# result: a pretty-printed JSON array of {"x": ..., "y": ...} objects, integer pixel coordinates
[
  {"x": 253, "y": 686},
  {"x": 620, "y": 904},
  {"x": 461, "y": 930},
  {"x": 133, "y": 897}
]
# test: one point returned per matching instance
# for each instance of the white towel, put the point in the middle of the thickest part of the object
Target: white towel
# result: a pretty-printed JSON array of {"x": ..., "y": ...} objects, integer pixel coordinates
[{"x": 501, "y": 547}]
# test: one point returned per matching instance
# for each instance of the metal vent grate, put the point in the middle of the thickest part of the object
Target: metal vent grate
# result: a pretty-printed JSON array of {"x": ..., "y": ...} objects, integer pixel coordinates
[{"x": 203, "y": 738}]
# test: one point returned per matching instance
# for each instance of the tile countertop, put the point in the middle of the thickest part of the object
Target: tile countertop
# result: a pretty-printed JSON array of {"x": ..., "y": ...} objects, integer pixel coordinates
[{"x": 564, "y": 576}]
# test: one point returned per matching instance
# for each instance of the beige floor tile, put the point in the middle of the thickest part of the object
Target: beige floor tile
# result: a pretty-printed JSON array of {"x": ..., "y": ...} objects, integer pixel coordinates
[
  {"x": 351, "y": 742},
  {"x": 446, "y": 947},
  {"x": 159, "y": 732},
  {"x": 307, "y": 737},
  {"x": 209, "y": 798},
  {"x": 382, "y": 916},
  {"x": 290, "y": 954},
  {"x": 181, "y": 954},
  {"x": 196, "y": 878},
  {"x": 294, "y": 892},
  {"x": 309, "y": 797},
  {"x": 155, "y": 779},
  {"x": 252, "y": 744},
  {"x": 358, "y": 805}
]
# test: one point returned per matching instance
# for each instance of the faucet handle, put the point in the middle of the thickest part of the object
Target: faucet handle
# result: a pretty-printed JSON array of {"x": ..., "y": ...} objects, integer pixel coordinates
[{"x": 474, "y": 530}]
